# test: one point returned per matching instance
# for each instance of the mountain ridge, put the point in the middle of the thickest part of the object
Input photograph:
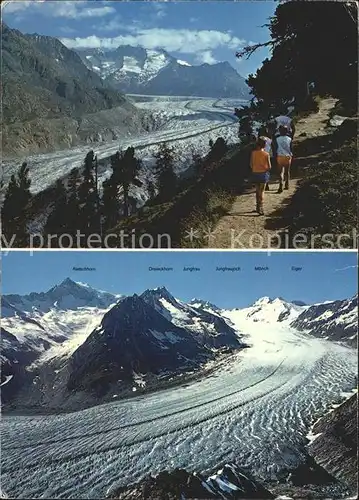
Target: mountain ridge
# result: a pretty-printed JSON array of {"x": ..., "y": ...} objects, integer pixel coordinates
[
  {"x": 137, "y": 70},
  {"x": 49, "y": 94},
  {"x": 97, "y": 345}
]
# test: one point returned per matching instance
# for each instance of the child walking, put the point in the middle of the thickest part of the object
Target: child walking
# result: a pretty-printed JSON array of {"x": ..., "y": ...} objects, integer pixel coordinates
[
  {"x": 260, "y": 166},
  {"x": 263, "y": 132},
  {"x": 284, "y": 157}
]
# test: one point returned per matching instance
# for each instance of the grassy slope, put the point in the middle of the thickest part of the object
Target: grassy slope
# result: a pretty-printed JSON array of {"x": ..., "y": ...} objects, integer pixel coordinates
[
  {"x": 198, "y": 205},
  {"x": 326, "y": 200}
]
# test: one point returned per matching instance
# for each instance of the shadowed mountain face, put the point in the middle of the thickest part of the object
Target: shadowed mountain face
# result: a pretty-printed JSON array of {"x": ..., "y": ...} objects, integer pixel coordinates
[
  {"x": 95, "y": 342},
  {"x": 47, "y": 90},
  {"x": 207, "y": 327},
  {"x": 133, "y": 338},
  {"x": 35, "y": 323},
  {"x": 14, "y": 358},
  {"x": 136, "y": 70}
]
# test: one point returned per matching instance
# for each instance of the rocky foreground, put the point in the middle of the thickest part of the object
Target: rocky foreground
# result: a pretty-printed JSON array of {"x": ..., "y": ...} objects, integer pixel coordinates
[
  {"x": 230, "y": 482},
  {"x": 336, "y": 446}
]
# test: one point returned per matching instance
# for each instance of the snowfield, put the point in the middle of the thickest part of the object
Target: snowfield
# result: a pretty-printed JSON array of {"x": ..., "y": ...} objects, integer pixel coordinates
[
  {"x": 186, "y": 123},
  {"x": 256, "y": 410}
]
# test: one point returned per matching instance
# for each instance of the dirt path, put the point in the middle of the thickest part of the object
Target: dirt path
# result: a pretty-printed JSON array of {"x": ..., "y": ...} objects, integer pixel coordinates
[{"x": 242, "y": 227}]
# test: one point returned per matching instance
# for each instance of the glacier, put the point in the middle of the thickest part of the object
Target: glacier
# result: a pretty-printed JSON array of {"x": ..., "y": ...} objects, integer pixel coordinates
[{"x": 186, "y": 123}]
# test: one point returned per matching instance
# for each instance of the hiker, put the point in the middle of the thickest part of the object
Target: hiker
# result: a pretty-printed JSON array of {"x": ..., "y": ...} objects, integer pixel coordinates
[
  {"x": 260, "y": 166},
  {"x": 284, "y": 154},
  {"x": 263, "y": 132},
  {"x": 285, "y": 121}
]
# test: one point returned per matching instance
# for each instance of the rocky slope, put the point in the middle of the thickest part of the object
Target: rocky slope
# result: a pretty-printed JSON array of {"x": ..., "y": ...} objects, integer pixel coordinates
[
  {"x": 206, "y": 326},
  {"x": 132, "y": 338},
  {"x": 136, "y": 70},
  {"x": 147, "y": 336},
  {"x": 337, "y": 320},
  {"x": 51, "y": 99},
  {"x": 229, "y": 483},
  {"x": 335, "y": 443}
]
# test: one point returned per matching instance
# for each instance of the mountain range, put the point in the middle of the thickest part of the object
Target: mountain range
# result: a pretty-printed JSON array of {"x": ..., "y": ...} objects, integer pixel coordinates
[
  {"x": 75, "y": 346},
  {"x": 51, "y": 99},
  {"x": 137, "y": 70}
]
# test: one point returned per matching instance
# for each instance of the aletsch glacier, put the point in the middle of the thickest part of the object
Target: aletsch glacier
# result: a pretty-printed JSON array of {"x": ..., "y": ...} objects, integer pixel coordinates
[
  {"x": 187, "y": 124},
  {"x": 254, "y": 410}
]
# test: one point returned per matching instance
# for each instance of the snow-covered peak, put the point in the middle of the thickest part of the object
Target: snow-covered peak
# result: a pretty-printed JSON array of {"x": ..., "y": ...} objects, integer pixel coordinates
[
  {"x": 271, "y": 310},
  {"x": 158, "y": 293},
  {"x": 204, "y": 304},
  {"x": 68, "y": 285},
  {"x": 66, "y": 295},
  {"x": 262, "y": 301}
]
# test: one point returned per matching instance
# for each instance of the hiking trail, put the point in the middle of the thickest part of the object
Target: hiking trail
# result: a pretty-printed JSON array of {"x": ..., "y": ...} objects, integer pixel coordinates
[{"x": 242, "y": 227}]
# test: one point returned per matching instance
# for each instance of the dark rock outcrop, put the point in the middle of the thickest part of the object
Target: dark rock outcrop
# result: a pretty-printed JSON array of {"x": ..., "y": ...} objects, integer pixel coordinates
[
  {"x": 207, "y": 328},
  {"x": 133, "y": 337},
  {"x": 229, "y": 483}
]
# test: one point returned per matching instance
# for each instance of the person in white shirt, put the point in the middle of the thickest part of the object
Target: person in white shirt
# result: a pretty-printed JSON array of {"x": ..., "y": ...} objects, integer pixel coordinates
[
  {"x": 284, "y": 155},
  {"x": 285, "y": 121}
]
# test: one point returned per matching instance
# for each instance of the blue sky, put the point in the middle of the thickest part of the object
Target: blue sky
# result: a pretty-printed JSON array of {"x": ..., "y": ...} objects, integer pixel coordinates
[
  {"x": 193, "y": 31},
  {"x": 324, "y": 275}
]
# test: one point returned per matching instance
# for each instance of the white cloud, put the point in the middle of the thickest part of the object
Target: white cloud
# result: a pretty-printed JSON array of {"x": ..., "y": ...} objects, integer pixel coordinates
[
  {"x": 14, "y": 6},
  {"x": 67, "y": 9},
  {"x": 206, "y": 57},
  {"x": 178, "y": 40}
]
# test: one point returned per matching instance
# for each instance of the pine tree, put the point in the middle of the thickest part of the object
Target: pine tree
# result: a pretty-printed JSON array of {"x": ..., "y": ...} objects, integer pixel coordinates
[
  {"x": 110, "y": 206},
  {"x": 245, "y": 130},
  {"x": 87, "y": 196},
  {"x": 14, "y": 211},
  {"x": 308, "y": 40},
  {"x": 72, "y": 214},
  {"x": 125, "y": 170},
  {"x": 197, "y": 163},
  {"x": 56, "y": 222},
  {"x": 166, "y": 178},
  {"x": 218, "y": 150}
]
